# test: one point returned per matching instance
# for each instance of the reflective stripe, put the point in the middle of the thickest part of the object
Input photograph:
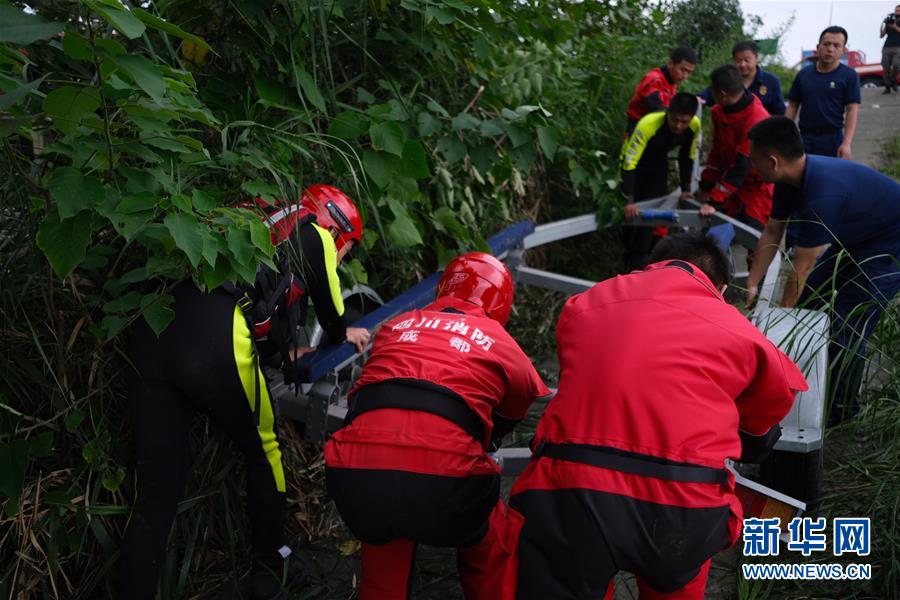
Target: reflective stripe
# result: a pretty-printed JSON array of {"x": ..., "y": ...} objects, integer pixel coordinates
[
  {"x": 695, "y": 127},
  {"x": 246, "y": 365},
  {"x": 330, "y": 253}
]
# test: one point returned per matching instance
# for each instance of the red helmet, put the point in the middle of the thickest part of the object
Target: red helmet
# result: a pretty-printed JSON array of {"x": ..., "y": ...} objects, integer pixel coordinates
[
  {"x": 481, "y": 279},
  {"x": 334, "y": 211}
]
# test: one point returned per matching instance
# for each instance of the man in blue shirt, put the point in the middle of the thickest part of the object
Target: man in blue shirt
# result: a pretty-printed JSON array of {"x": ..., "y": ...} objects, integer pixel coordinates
[
  {"x": 827, "y": 92},
  {"x": 847, "y": 220},
  {"x": 762, "y": 84},
  {"x": 890, "y": 53}
]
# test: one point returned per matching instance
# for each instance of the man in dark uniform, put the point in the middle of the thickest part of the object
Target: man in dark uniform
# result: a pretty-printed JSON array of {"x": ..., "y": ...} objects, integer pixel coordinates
[
  {"x": 728, "y": 182},
  {"x": 411, "y": 466},
  {"x": 762, "y": 84},
  {"x": 847, "y": 249},
  {"x": 890, "y": 52},
  {"x": 826, "y": 93},
  {"x": 660, "y": 382},
  {"x": 206, "y": 360},
  {"x": 645, "y": 168},
  {"x": 659, "y": 85}
]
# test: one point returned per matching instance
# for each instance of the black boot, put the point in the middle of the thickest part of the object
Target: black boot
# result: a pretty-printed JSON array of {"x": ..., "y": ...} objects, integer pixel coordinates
[
  {"x": 273, "y": 578},
  {"x": 887, "y": 89}
]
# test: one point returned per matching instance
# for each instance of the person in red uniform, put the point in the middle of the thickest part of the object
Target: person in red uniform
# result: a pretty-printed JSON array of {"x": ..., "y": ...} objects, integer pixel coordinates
[
  {"x": 729, "y": 183},
  {"x": 661, "y": 381},
  {"x": 659, "y": 85},
  {"x": 410, "y": 465}
]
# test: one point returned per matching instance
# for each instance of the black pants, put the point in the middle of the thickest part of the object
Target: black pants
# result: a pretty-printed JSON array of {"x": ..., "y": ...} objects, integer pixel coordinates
[
  {"x": 574, "y": 541},
  {"x": 202, "y": 362},
  {"x": 639, "y": 241}
]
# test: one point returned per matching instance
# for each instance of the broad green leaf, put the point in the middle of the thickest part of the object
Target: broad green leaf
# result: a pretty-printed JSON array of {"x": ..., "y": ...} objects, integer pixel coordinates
[
  {"x": 111, "y": 325},
  {"x": 182, "y": 203},
  {"x": 241, "y": 248},
  {"x": 170, "y": 28},
  {"x": 518, "y": 135},
  {"x": 444, "y": 17},
  {"x": 65, "y": 242},
  {"x": 12, "y": 98},
  {"x": 465, "y": 121},
  {"x": 127, "y": 303},
  {"x": 448, "y": 221},
  {"x": 74, "y": 420},
  {"x": 164, "y": 143},
  {"x": 414, "y": 162},
  {"x": 144, "y": 73},
  {"x": 122, "y": 20},
  {"x": 213, "y": 245},
  {"x": 19, "y": 27},
  {"x": 112, "y": 479},
  {"x": 77, "y": 46},
  {"x": 452, "y": 149},
  {"x": 380, "y": 166},
  {"x": 348, "y": 125},
  {"x": 364, "y": 96},
  {"x": 186, "y": 231},
  {"x": 428, "y": 124},
  {"x": 270, "y": 91},
  {"x": 524, "y": 156},
  {"x": 261, "y": 237},
  {"x": 388, "y": 136},
  {"x": 68, "y": 105},
  {"x": 73, "y": 191},
  {"x": 214, "y": 276},
  {"x": 261, "y": 189},
  {"x": 9, "y": 125},
  {"x": 129, "y": 224},
  {"x": 404, "y": 233},
  {"x": 157, "y": 311},
  {"x": 483, "y": 157},
  {"x": 434, "y": 107},
  {"x": 310, "y": 89},
  {"x": 493, "y": 127},
  {"x": 548, "y": 138},
  {"x": 526, "y": 109},
  {"x": 203, "y": 201},
  {"x": 357, "y": 271},
  {"x": 138, "y": 202},
  {"x": 110, "y": 47},
  {"x": 13, "y": 462}
]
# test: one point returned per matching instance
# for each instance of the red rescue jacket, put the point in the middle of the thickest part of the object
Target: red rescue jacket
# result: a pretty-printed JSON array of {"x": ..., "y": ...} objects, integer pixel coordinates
[
  {"x": 464, "y": 351},
  {"x": 657, "y": 363},
  {"x": 643, "y": 101},
  {"x": 751, "y": 195}
]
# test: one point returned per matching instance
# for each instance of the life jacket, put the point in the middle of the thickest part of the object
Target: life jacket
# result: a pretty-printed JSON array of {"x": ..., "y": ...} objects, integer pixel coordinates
[{"x": 272, "y": 304}]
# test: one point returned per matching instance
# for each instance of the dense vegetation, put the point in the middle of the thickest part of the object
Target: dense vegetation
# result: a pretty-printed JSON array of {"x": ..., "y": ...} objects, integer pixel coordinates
[{"x": 129, "y": 133}]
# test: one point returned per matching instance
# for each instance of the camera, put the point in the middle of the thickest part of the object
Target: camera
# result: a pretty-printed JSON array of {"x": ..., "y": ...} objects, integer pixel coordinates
[{"x": 891, "y": 19}]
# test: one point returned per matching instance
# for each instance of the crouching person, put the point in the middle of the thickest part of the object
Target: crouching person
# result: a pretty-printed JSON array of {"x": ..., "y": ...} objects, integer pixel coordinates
[
  {"x": 660, "y": 381},
  {"x": 410, "y": 465}
]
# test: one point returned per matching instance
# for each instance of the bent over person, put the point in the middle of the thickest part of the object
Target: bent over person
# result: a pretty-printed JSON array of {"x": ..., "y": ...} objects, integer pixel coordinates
[
  {"x": 410, "y": 466},
  {"x": 660, "y": 382},
  {"x": 206, "y": 361}
]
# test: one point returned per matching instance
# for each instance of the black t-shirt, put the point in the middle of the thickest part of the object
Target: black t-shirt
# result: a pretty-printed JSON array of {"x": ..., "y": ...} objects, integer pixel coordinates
[{"x": 893, "y": 38}]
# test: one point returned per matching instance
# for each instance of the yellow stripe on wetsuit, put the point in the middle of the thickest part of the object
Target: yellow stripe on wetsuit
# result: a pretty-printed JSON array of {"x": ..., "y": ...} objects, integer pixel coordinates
[
  {"x": 329, "y": 251},
  {"x": 647, "y": 127},
  {"x": 249, "y": 371}
]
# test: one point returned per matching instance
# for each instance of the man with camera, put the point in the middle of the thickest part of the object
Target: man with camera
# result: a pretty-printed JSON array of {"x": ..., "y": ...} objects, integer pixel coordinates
[{"x": 890, "y": 53}]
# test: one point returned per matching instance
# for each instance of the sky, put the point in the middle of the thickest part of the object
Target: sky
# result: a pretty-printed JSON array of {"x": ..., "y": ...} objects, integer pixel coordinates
[{"x": 861, "y": 19}]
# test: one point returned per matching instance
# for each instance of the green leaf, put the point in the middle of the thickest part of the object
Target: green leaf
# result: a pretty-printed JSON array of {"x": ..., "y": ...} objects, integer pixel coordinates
[
  {"x": 452, "y": 149},
  {"x": 111, "y": 480},
  {"x": 122, "y": 20},
  {"x": 524, "y": 156},
  {"x": 157, "y": 311},
  {"x": 261, "y": 237},
  {"x": 64, "y": 242},
  {"x": 483, "y": 157},
  {"x": 518, "y": 135},
  {"x": 213, "y": 246},
  {"x": 261, "y": 189},
  {"x": 404, "y": 233},
  {"x": 434, "y": 107},
  {"x": 465, "y": 121},
  {"x": 241, "y": 248},
  {"x": 214, "y": 276},
  {"x": 443, "y": 17},
  {"x": 428, "y": 124},
  {"x": 182, "y": 203},
  {"x": 74, "y": 420},
  {"x": 414, "y": 162},
  {"x": 129, "y": 224},
  {"x": 12, "y": 98},
  {"x": 348, "y": 125},
  {"x": 203, "y": 201},
  {"x": 9, "y": 125},
  {"x": 41, "y": 445},
  {"x": 157, "y": 23},
  {"x": 310, "y": 89},
  {"x": 357, "y": 271},
  {"x": 186, "y": 231},
  {"x": 73, "y": 191},
  {"x": 270, "y": 91},
  {"x": 380, "y": 166},
  {"x": 77, "y": 46},
  {"x": 19, "y": 27},
  {"x": 144, "y": 73},
  {"x": 548, "y": 138},
  {"x": 68, "y": 105},
  {"x": 141, "y": 201},
  {"x": 13, "y": 462},
  {"x": 165, "y": 143},
  {"x": 127, "y": 303},
  {"x": 388, "y": 136},
  {"x": 493, "y": 127},
  {"x": 110, "y": 47},
  {"x": 446, "y": 217}
]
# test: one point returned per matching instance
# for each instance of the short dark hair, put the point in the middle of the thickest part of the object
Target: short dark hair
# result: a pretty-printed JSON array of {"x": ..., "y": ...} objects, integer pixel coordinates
[
  {"x": 683, "y": 103},
  {"x": 728, "y": 79},
  {"x": 683, "y": 53},
  {"x": 834, "y": 29},
  {"x": 701, "y": 251},
  {"x": 779, "y": 135},
  {"x": 745, "y": 46}
]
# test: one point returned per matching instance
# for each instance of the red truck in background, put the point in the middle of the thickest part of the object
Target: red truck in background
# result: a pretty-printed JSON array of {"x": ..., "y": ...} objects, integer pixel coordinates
[{"x": 870, "y": 74}]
